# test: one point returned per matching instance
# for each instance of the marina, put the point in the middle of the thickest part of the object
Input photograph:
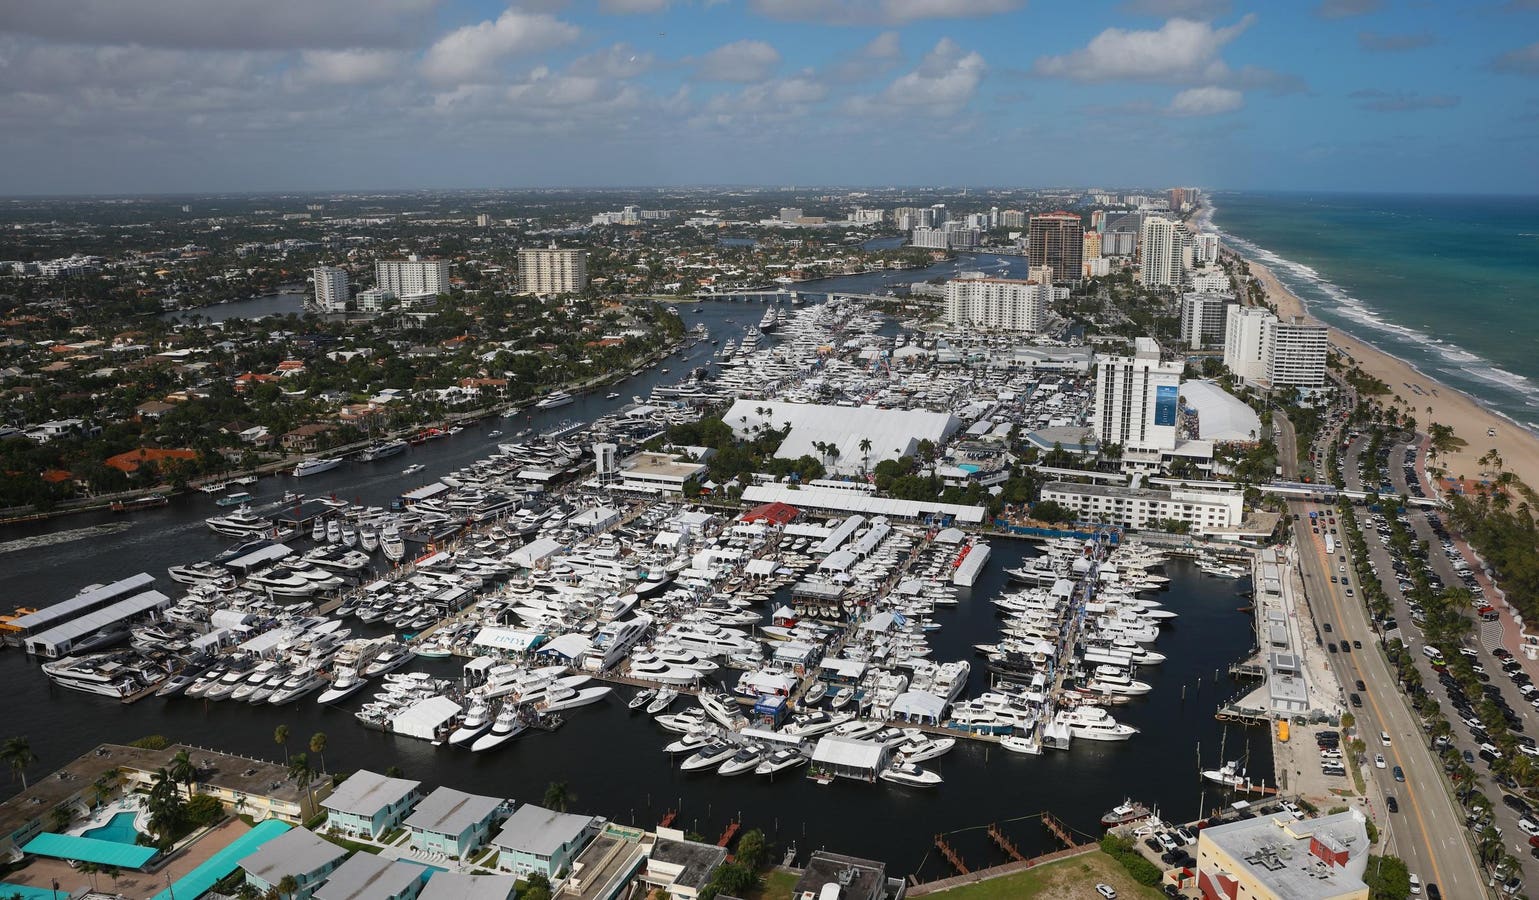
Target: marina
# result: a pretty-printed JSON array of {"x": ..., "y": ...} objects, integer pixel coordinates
[{"x": 525, "y": 587}]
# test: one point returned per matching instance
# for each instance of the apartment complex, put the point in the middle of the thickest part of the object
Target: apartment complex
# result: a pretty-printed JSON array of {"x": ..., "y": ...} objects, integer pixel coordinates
[
  {"x": 1003, "y": 303},
  {"x": 331, "y": 291},
  {"x": 1203, "y": 510},
  {"x": 1259, "y": 348},
  {"x": 1137, "y": 399},
  {"x": 412, "y": 278},
  {"x": 1057, "y": 240},
  {"x": 1204, "y": 319},
  {"x": 551, "y": 270},
  {"x": 1165, "y": 252}
]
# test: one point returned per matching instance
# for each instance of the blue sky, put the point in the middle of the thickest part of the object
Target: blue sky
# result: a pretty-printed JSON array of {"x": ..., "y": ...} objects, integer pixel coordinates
[{"x": 261, "y": 95}]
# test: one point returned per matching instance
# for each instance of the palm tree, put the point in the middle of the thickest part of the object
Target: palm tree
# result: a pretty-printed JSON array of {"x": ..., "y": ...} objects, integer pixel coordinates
[
  {"x": 865, "y": 453},
  {"x": 303, "y": 775},
  {"x": 557, "y": 796},
  {"x": 281, "y": 736},
  {"x": 182, "y": 770},
  {"x": 17, "y": 752},
  {"x": 318, "y": 747},
  {"x": 288, "y": 885}
]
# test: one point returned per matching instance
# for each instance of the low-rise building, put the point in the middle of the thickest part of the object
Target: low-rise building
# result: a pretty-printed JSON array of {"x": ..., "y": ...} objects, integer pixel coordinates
[
  {"x": 368, "y": 804},
  {"x": 368, "y": 877},
  {"x": 453, "y": 822},
  {"x": 855, "y": 878},
  {"x": 679, "y": 867},
  {"x": 1278, "y": 858},
  {"x": 297, "y": 853},
  {"x": 535, "y": 840},
  {"x": 458, "y": 886},
  {"x": 1132, "y": 507}
]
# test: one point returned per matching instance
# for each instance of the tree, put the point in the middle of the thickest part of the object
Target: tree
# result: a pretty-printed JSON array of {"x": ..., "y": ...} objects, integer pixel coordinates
[
  {"x": 318, "y": 747},
  {"x": 17, "y": 753},
  {"x": 752, "y": 848},
  {"x": 865, "y": 454},
  {"x": 1387, "y": 878},
  {"x": 558, "y": 796},
  {"x": 288, "y": 885},
  {"x": 537, "y": 887},
  {"x": 184, "y": 771},
  {"x": 281, "y": 737}
]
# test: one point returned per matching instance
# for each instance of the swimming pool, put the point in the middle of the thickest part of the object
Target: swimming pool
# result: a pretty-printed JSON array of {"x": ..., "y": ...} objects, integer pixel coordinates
[
  {"x": 119, "y": 828},
  {"x": 969, "y": 467}
]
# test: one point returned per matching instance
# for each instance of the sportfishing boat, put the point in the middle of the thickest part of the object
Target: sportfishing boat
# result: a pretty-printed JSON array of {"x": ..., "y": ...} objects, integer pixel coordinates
[
  {"x": 507, "y": 726},
  {"x": 316, "y": 466},
  {"x": 642, "y": 698},
  {"x": 661, "y": 700},
  {"x": 1229, "y": 775},
  {"x": 477, "y": 721},
  {"x": 346, "y": 683}
]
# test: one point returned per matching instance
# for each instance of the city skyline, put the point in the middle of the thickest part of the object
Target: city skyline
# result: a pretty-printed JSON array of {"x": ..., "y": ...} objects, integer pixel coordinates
[{"x": 1341, "y": 95}]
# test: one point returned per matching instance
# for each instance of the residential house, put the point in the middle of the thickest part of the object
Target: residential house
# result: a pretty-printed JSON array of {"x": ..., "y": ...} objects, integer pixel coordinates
[
  {"x": 298, "y": 853},
  {"x": 457, "y": 886},
  {"x": 369, "y": 804},
  {"x": 368, "y": 877},
  {"x": 855, "y": 878},
  {"x": 153, "y": 409},
  {"x": 306, "y": 438},
  {"x": 679, "y": 867},
  {"x": 535, "y": 839},
  {"x": 453, "y": 822}
]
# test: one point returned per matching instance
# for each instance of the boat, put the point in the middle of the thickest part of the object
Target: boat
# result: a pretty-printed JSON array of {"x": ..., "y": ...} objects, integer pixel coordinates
[
  {"x": 744, "y": 760},
  {"x": 239, "y": 498},
  {"x": 780, "y": 760},
  {"x": 1228, "y": 775},
  {"x": 642, "y": 698},
  {"x": 554, "y": 399},
  {"x": 1124, "y": 812},
  {"x": 477, "y": 721},
  {"x": 612, "y": 395},
  {"x": 1017, "y": 744},
  {"x": 413, "y": 469},
  {"x": 691, "y": 742},
  {"x": 391, "y": 544},
  {"x": 242, "y": 523},
  {"x": 117, "y": 675},
  {"x": 917, "y": 748},
  {"x": 1092, "y": 723},
  {"x": 176, "y": 684},
  {"x": 911, "y": 775},
  {"x": 842, "y": 697},
  {"x": 560, "y": 697},
  {"x": 346, "y": 683},
  {"x": 816, "y": 692},
  {"x": 381, "y": 450},
  {"x": 316, "y": 466},
  {"x": 709, "y": 756},
  {"x": 507, "y": 726},
  {"x": 661, "y": 700}
]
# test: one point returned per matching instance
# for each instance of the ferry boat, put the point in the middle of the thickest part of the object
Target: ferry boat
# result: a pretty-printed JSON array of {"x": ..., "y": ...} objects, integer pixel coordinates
[
  {"x": 316, "y": 466},
  {"x": 239, "y": 498},
  {"x": 554, "y": 399}
]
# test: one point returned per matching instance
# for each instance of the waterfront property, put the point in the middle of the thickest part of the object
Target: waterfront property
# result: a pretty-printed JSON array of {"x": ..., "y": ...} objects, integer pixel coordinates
[
  {"x": 679, "y": 867},
  {"x": 535, "y": 840},
  {"x": 369, "y": 804},
  {"x": 1275, "y": 857},
  {"x": 368, "y": 877},
  {"x": 299, "y": 854},
  {"x": 854, "y": 878},
  {"x": 458, "y": 886},
  {"x": 453, "y": 822}
]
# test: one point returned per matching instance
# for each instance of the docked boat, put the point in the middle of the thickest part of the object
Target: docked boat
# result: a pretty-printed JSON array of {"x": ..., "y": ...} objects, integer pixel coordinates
[
  {"x": 239, "y": 498},
  {"x": 661, "y": 700},
  {"x": 316, "y": 466},
  {"x": 242, "y": 523},
  {"x": 381, "y": 450},
  {"x": 642, "y": 698},
  {"x": 909, "y": 774},
  {"x": 709, "y": 756},
  {"x": 1092, "y": 723},
  {"x": 346, "y": 683},
  {"x": 1228, "y": 775},
  {"x": 555, "y": 399},
  {"x": 508, "y": 725},
  {"x": 1124, "y": 812},
  {"x": 478, "y": 720},
  {"x": 744, "y": 760},
  {"x": 780, "y": 760},
  {"x": 116, "y": 675}
]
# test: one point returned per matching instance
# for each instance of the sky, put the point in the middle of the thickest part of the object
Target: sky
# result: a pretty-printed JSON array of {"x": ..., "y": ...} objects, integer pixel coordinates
[{"x": 196, "y": 96}]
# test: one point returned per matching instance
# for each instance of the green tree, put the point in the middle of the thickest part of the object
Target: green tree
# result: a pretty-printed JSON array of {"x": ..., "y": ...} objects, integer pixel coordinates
[
  {"x": 318, "y": 747},
  {"x": 1387, "y": 878},
  {"x": 17, "y": 753},
  {"x": 558, "y": 796},
  {"x": 183, "y": 771},
  {"x": 537, "y": 887},
  {"x": 752, "y": 848},
  {"x": 288, "y": 885},
  {"x": 281, "y": 737}
]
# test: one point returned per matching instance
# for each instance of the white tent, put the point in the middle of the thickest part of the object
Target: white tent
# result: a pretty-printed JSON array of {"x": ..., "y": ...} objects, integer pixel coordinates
[
  {"x": 423, "y": 719},
  {"x": 919, "y": 706}
]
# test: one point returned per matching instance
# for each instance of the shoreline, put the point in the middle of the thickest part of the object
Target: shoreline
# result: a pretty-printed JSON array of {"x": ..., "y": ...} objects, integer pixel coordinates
[{"x": 1436, "y": 401}]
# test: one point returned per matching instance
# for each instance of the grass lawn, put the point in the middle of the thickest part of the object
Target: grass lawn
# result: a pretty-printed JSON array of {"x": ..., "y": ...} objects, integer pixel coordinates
[
  {"x": 777, "y": 886},
  {"x": 1070, "y": 879}
]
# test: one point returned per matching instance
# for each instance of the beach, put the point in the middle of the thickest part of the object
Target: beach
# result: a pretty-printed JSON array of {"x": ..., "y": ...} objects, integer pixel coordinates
[{"x": 1429, "y": 400}]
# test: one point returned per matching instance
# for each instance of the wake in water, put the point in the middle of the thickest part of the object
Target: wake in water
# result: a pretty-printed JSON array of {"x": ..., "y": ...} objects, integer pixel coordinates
[
  {"x": 1309, "y": 285},
  {"x": 63, "y": 537}
]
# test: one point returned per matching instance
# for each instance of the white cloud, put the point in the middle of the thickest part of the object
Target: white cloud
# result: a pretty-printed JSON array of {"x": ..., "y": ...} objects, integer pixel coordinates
[
  {"x": 351, "y": 67},
  {"x": 1206, "y": 101},
  {"x": 224, "y": 24},
  {"x": 878, "y": 57},
  {"x": 869, "y": 12},
  {"x": 617, "y": 61},
  {"x": 1181, "y": 50},
  {"x": 944, "y": 82},
  {"x": 622, "y": 7},
  {"x": 740, "y": 61},
  {"x": 471, "y": 53}
]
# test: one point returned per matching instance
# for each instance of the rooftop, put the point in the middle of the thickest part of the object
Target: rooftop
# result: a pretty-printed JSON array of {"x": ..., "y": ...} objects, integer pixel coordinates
[
  {"x": 1276, "y": 851},
  {"x": 297, "y": 851},
  {"x": 540, "y": 831},
  {"x": 364, "y": 793},
  {"x": 365, "y": 875},
  {"x": 448, "y": 811},
  {"x": 696, "y": 861}
]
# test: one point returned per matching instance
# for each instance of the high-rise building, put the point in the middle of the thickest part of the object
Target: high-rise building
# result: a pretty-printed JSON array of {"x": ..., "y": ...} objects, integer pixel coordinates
[
  {"x": 1012, "y": 218},
  {"x": 549, "y": 270},
  {"x": 331, "y": 292},
  {"x": 1204, "y": 318},
  {"x": 1205, "y": 247},
  {"x": 1058, "y": 240},
  {"x": 790, "y": 214},
  {"x": 1183, "y": 198},
  {"x": 483, "y": 220},
  {"x": 1092, "y": 247},
  {"x": 1245, "y": 341},
  {"x": 929, "y": 238},
  {"x": 1296, "y": 354},
  {"x": 1004, "y": 303},
  {"x": 1098, "y": 220},
  {"x": 412, "y": 278},
  {"x": 1137, "y": 399},
  {"x": 1164, "y": 249}
]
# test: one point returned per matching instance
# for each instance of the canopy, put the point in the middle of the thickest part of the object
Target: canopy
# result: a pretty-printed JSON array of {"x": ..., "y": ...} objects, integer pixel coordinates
[
  {"x": 915, "y": 705},
  {"x": 91, "y": 850}
]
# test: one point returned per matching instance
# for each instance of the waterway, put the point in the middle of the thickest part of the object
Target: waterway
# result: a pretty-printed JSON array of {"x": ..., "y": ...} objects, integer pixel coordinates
[{"x": 611, "y": 758}]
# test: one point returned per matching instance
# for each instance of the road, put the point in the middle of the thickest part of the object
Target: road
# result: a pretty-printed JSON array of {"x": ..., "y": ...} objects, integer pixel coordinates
[{"x": 1428, "y": 832}]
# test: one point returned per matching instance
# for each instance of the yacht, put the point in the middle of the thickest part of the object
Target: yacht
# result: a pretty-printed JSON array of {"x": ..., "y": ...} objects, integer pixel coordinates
[
  {"x": 744, "y": 760},
  {"x": 911, "y": 775},
  {"x": 116, "y": 675},
  {"x": 918, "y": 747},
  {"x": 297, "y": 685},
  {"x": 661, "y": 700},
  {"x": 242, "y": 523},
  {"x": 316, "y": 466},
  {"x": 555, "y": 399},
  {"x": 477, "y": 721},
  {"x": 507, "y": 726},
  {"x": 381, "y": 450},
  {"x": 390, "y": 542},
  {"x": 1228, "y": 775},
  {"x": 413, "y": 469},
  {"x": 201, "y": 573},
  {"x": 691, "y": 741},
  {"x": 725, "y": 710},
  {"x": 391, "y": 658},
  {"x": 346, "y": 683},
  {"x": 712, "y": 640},
  {"x": 1092, "y": 723},
  {"x": 780, "y": 760},
  {"x": 709, "y": 756},
  {"x": 558, "y": 696},
  {"x": 613, "y": 643},
  {"x": 1116, "y": 680}
]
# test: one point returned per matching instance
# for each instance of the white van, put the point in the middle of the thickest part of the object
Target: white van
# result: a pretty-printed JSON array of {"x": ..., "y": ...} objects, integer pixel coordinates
[
  {"x": 1432, "y": 653},
  {"x": 1415, "y": 884}
]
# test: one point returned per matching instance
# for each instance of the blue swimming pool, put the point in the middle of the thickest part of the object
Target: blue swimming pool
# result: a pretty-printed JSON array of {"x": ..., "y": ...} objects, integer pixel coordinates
[
  {"x": 119, "y": 828},
  {"x": 968, "y": 467}
]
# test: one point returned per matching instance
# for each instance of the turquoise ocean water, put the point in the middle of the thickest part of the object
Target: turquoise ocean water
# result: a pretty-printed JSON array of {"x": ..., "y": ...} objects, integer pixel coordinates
[{"x": 1448, "y": 284}]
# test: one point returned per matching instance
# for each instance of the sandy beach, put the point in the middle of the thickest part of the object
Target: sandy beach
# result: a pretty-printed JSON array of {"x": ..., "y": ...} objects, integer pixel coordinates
[{"x": 1519, "y": 448}]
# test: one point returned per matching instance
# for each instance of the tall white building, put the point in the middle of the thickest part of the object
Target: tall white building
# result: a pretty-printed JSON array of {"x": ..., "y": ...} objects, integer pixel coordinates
[
  {"x": 551, "y": 270},
  {"x": 1004, "y": 303},
  {"x": 412, "y": 278},
  {"x": 929, "y": 238},
  {"x": 1208, "y": 280},
  {"x": 331, "y": 292},
  {"x": 1245, "y": 341},
  {"x": 1296, "y": 354},
  {"x": 1137, "y": 399},
  {"x": 1204, "y": 319},
  {"x": 1165, "y": 252},
  {"x": 1205, "y": 247}
]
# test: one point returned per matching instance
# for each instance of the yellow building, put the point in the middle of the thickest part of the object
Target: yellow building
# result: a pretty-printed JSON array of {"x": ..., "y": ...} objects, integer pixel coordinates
[{"x": 1279, "y": 858}]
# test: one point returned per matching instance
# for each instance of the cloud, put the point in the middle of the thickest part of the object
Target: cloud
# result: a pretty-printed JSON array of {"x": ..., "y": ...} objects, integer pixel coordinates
[
  {"x": 225, "y": 24},
  {"x": 1177, "y": 9},
  {"x": 1374, "y": 42},
  {"x": 944, "y": 82},
  {"x": 880, "y": 12},
  {"x": 1181, "y": 50},
  {"x": 350, "y": 67},
  {"x": 617, "y": 61},
  {"x": 623, "y": 7},
  {"x": 471, "y": 53},
  {"x": 1206, "y": 101},
  {"x": 1522, "y": 61},
  {"x": 743, "y": 62},
  {"x": 1346, "y": 9},
  {"x": 1375, "y": 100},
  {"x": 878, "y": 57}
]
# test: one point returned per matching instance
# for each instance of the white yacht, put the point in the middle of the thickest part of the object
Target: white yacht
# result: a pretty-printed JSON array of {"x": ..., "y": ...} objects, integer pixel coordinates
[
  {"x": 346, "y": 683},
  {"x": 106, "y": 674},
  {"x": 316, "y": 466},
  {"x": 745, "y": 760},
  {"x": 712, "y": 640},
  {"x": 1092, "y": 723},
  {"x": 476, "y": 722},
  {"x": 202, "y": 573},
  {"x": 242, "y": 523},
  {"x": 381, "y": 450},
  {"x": 613, "y": 642},
  {"x": 507, "y": 726},
  {"x": 709, "y": 756},
  {"x": 555, "y": 399},
  {"x": 780, "y": 760},
  {"x": 1116, "y": 680},
  {"x": 909, "y": 774}
]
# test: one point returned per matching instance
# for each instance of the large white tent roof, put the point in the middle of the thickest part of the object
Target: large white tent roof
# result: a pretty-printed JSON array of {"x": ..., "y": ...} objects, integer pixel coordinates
[
  {"x": 892, "y": 432},
  {"x": 1221, "y": 416}
]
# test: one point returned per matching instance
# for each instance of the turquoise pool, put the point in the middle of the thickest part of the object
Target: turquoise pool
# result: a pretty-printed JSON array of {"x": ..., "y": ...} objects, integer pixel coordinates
[
  {"x": 119, "y": 828},
  {"x": 968, "y": 467}
]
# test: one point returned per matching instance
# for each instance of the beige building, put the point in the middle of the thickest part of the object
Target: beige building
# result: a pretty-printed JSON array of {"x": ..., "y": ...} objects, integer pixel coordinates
[
  {"x": 550, "y": 270},
  {"x": 1003, "y": 303},
  {"x": 1279, "y": 858}
]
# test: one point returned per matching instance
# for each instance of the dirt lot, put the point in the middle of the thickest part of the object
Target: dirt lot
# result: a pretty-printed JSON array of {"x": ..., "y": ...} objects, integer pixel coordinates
[{"x": 1070, "y": 879}]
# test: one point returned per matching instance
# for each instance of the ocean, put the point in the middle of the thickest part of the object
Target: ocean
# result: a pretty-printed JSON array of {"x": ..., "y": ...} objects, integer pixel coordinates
[{"x": 1449, "y": 284}]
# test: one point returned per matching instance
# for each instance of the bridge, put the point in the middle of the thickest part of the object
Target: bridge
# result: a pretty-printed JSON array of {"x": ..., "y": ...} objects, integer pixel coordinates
[{"x": 780, "y": 294}]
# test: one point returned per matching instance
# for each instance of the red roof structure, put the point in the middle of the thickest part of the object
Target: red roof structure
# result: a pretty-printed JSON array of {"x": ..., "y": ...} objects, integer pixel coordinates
[{"x": 773, "y": 513}]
